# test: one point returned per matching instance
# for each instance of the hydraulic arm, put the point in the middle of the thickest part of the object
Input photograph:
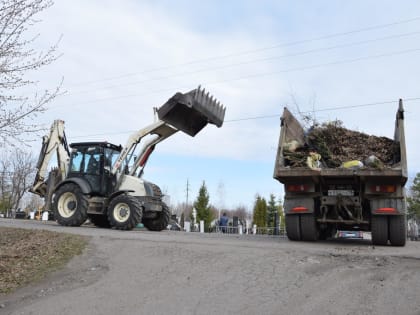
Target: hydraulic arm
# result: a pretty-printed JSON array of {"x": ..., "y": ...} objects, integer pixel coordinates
[{"x": 54, "y": 143}]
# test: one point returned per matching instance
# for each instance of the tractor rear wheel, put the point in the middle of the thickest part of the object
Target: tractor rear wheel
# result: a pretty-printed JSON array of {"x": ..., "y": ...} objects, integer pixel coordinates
[
  {"x": 124, "y": 212},
  {"x": 161, "y": 221},
  {"x": 70, "y": 205}
]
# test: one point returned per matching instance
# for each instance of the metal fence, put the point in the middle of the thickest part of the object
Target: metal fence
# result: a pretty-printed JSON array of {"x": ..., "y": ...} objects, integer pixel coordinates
[{"x": 240, "y": 230}]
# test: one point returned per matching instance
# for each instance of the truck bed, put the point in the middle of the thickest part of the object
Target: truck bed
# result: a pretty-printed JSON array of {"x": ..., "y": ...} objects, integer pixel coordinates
[
  {"x": 292, "y": 131},
  {"x": 287, "y": 175}
]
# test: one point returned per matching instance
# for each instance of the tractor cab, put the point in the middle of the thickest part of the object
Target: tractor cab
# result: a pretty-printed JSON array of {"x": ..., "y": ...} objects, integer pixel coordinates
[{"x": 92, "y": 161}]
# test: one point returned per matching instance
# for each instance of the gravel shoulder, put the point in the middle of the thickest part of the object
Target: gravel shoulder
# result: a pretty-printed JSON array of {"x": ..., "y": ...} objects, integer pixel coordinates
[{"x": 189, "y": 273}]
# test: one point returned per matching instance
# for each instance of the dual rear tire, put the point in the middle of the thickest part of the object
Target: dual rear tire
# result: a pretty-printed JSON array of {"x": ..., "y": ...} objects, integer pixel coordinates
[
  {"x": 302, "y": 227},
  {"x": 392, "y": 228}
]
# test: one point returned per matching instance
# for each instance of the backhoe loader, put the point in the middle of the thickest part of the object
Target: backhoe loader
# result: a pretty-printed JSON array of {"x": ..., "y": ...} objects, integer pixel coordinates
[{"x": 103, "y": 182}]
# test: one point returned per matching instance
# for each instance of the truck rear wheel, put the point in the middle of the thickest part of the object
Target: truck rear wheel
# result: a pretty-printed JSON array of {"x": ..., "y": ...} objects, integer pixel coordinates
[
  {"x": 124, "y": 212},
  {"x": 379, "y": 230},
  {"x": 161, "y": 222},
  {"x": 397, "y": 230},
  {"x": 293, "y": 227},
  {"x": 308, "y": 228},
  {"x": 70, "y": 205}
]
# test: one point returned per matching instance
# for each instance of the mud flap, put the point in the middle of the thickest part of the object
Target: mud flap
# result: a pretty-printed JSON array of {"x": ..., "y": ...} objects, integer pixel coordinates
[{"x": 190, "y": 112}]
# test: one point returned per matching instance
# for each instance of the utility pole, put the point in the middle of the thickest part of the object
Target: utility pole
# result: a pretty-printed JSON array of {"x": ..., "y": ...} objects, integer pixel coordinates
[
  {"x": 188, "y": 189},
  {"x": 221, "y": 194}
]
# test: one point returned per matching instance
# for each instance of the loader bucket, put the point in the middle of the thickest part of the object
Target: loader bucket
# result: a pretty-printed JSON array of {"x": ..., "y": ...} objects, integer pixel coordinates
[{"x": 192, "y": 111}]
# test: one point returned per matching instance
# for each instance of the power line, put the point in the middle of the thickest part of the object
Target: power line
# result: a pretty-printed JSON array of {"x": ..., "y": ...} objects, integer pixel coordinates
[
  {"x": 248, "y": 62},
  {"x": 247, "y": 52},
  {"x": 264, "y": 74},
  {"x": 327, "y": 109},
  {"x": 320, "y": 65},
  {"x": 278, "y": 115}
]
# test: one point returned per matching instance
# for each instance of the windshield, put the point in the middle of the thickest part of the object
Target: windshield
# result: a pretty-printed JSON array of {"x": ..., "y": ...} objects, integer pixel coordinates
[{"x": 110, "y": 157}]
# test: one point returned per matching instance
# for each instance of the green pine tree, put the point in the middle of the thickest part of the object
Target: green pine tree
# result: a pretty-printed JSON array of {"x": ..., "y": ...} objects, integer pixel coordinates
[
  {"x": 413, "y": 201},
  {"x": 202, "y": 207},
  {"x": 260, "y": 212},
  {"x": 272, "y": 211}
]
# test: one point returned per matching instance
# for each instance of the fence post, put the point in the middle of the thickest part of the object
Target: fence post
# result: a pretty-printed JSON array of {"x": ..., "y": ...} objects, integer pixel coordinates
[{"x": 187, "y": 226}]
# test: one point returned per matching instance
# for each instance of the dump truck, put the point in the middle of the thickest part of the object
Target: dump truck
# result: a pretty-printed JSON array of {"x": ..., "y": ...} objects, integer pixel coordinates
[
  {"x": 323, "y": 196},
  {"x": 103, "y": 182}
]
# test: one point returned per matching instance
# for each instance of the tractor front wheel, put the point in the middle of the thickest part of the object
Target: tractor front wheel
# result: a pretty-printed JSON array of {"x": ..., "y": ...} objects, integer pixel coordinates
[{"x": 124, "y": 212}]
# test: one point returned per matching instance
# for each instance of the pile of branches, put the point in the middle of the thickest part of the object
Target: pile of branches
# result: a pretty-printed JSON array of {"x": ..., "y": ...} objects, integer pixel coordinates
[{"x": 337, "y": 145}]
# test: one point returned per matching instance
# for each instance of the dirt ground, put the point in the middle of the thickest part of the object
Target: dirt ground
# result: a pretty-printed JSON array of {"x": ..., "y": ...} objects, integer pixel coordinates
[
  {"x": 28, "y": 255},
  {"x": 141, "y": 272}
]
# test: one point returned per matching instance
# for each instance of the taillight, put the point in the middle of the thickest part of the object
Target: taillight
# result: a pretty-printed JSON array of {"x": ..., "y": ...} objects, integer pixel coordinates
[
  {"x": 297, "y": 188},
  {"x": 299, "y": 209},
  {"x": 383, "y": 188},
  {"x": 386, "y": 210}
]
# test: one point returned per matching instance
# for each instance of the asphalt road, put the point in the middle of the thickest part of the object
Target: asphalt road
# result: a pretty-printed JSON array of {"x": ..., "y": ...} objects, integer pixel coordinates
[{"x": 142, "y": 272}]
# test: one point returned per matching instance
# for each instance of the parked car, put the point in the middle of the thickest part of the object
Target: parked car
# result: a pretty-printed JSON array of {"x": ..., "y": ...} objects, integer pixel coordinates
[{"x": 21, "y": 215}]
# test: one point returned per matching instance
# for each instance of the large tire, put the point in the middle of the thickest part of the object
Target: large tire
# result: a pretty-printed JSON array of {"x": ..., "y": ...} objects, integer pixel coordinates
[
  {"x": 70, "y": 205},
  {"x": 124, "y": 212},
  {"x": 293, "y": 227},
  {"x": 379, "y": 230},
  {"x": 308, "y": 227},
  {"x": 161, "y": 222},
  {"x": 157, "y": 192},
  {"x": 99, "y": 220},
  {"x": 397, "y": 230}
]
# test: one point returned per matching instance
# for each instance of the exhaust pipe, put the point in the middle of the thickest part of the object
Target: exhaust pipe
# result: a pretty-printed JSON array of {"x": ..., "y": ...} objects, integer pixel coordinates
[{"x": 190, "y": 112}]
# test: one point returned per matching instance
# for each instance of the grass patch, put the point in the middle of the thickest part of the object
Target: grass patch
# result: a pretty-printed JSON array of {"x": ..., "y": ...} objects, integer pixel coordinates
[{"x": 28, "y": 255}]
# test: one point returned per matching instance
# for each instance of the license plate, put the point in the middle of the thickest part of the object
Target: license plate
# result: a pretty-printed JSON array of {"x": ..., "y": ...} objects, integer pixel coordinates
[{"x": 342, "y": 192}]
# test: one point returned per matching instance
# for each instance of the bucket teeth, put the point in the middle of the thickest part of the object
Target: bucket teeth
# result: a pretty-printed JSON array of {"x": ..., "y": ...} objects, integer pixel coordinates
[
  {"x": 209, "y": 105},
  {"x": 190, "y": 112}
]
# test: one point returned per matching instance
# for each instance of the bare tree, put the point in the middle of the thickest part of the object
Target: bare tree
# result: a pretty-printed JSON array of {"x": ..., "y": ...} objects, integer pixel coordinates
[
  {"x": 16, "y": 175},
  {"x": 20, "y": 101},
  {"x": 308, "y": 119},
  {"x": 31, "y": 202},
  {"x": 241, "y": 212}
]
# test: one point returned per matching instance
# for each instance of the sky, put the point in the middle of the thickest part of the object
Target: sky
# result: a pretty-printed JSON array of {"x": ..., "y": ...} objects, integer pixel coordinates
[{"x": 346, "y": 60}]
